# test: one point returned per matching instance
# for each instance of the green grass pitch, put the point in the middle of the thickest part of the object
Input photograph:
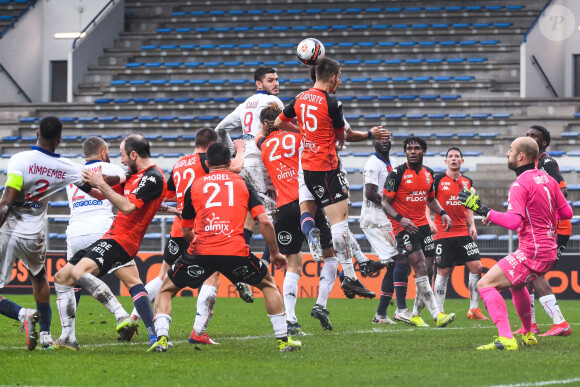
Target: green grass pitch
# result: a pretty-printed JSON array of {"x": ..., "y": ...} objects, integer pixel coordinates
[{"x": 355, "y": 352}]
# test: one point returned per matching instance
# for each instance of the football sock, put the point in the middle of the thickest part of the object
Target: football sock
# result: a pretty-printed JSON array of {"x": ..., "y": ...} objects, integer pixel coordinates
[
  {"x": 248, "y": 235},
  {"x": 205, "y": 305},
  {"x": 290, "y": 291},
  {"x": 279, "y": 325},
  {"x": 99, "y": 290},
  {"x": 533, "y": 308},
  {"x": 327, "y": 278},
  {"x": 521, "y": 300},
  {"x": 67, "y": 307},
  {"x": 418, "y": 305},
  {"x": 427, "y": 295},
  {"x": 497, "y": 311},
  {"x": 77, "y": 295},
  {"x": 152, "y": 289},
  {"x": 10, "y": 309},
  {"x": 473, "y": 293},
  {"x": 341, "y": 243},
  {"x": 143, "y": 306},
  {"x": 551, "y": 307},
  {"x": 306, "y": 223},
  {"x": 266, "y": 254},
  {"x": 162, "y": 322},
  {"x": 45, "y": 316},
  {"x": 387, "y": 288},
  {"x": 401, "y": 278},
  {"x": 356, "y": 250},
  {"x": 440, "y": 290}
]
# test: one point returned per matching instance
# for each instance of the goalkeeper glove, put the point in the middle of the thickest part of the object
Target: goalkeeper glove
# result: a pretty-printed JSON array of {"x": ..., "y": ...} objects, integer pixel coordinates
[{"x": 470, "y": 200}]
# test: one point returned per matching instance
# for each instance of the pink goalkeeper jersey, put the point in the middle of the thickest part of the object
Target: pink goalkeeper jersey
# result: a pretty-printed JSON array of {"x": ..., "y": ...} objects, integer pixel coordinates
[{"x": 536, "y": 197}]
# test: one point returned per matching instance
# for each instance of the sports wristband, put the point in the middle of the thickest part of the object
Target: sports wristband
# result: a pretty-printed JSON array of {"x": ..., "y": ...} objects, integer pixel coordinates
[
  {"x": 443, "y": 212},
  {"x": 398, "y": 217},
  {"x": 370, "y": 135}
]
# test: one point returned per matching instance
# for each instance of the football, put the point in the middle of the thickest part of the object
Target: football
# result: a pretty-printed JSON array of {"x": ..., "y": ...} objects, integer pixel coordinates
[{"x": 310, "y": 51}]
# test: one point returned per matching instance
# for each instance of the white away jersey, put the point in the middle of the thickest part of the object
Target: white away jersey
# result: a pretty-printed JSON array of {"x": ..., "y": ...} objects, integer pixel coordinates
[
  {"x": 87, "y": 214},
  {"x": 375, "y": 172},
  {"x": 43, "y": 174},
  {"x": 247, "y": 116}
]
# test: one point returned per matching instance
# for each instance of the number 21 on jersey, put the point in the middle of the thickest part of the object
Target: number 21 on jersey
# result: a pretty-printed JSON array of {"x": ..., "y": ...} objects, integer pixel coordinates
[{"x": 215, "y": 190}]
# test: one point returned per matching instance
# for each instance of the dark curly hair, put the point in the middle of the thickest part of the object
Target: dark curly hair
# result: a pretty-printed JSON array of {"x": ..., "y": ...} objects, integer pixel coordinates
[{"x": 412, "y": 138}]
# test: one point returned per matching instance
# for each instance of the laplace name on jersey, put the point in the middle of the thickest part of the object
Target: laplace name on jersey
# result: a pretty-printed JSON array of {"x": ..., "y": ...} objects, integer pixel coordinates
[
  {"x": 185, "y": 163},
  {"x": 217, "y": 176},
  {"x": 312, "y": 98},
  {"x": 49, "y": 172}
]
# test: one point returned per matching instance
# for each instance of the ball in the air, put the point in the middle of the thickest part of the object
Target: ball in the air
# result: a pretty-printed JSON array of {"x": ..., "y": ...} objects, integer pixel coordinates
[{"x": 310, "y": 51}]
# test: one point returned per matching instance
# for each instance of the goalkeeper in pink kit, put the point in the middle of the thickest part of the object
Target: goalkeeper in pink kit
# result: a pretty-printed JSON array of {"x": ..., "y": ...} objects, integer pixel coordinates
[{"x": 535, "y": 203}]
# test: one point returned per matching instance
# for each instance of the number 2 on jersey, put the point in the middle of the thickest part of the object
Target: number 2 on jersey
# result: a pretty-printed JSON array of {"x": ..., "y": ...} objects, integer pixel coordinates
[
  {"x": 216, "y": 190},
  {"x": 188, "y": 172}
]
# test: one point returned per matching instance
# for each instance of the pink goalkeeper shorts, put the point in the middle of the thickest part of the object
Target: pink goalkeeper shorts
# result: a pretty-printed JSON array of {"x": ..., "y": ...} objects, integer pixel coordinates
[{"x": 521, "y": 270}]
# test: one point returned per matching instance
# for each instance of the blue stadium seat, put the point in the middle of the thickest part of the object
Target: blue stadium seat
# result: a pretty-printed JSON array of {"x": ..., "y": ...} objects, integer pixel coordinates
[
  {"x": 394, "y": 116},
  {"x": 472, "y": 153},
  {"x": 467, "y": 135},
  {"x": 480, "y": 116},
  {"x": 458, "y": 116},
  {"x": 570, "y": 134},
  {"x": 126, "y": 118},
  {"x": 486, "y": 237},
  {"x": 13, "y": 138},
  {"x": 574, "y": 153},
  {"x": 445, "y": 135},
  {"x": 488, "y": 135}
]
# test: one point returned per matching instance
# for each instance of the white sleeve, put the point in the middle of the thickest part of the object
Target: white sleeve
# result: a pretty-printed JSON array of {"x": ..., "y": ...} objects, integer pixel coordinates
[
  {"x": 371, "y": 173},
  {"x": 15, "y": 166},
  {"x": 223, "y": 129}
]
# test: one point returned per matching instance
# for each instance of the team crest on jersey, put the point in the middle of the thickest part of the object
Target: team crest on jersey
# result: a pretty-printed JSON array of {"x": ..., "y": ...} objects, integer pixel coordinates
[
  {"x": 319, "y": 191},
  {"x": 465, "y": 185},
  {"x": 241, "y": 272},
  {"x": 195, "y": 271},
  {"x": 428, "y": 178},
  {"x": 284, "y": 237},
  {"x": 172, "y": 247}
]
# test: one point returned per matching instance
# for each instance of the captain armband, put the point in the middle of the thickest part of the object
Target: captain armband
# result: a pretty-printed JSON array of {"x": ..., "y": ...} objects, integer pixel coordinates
[{"x": 15, "y": 181}]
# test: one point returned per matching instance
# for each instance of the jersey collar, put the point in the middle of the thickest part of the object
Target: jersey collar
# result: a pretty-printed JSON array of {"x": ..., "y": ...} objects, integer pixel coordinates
[
  {"x": 387, "y": 163},
  {"x": 49, "y": 153},
  {"x": 522, "y": 168},
  {"x": 261, "y": 92},
  {"x": 92, "y": 162}
]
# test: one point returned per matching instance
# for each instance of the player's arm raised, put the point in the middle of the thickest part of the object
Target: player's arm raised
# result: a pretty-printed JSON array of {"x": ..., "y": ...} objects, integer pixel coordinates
[
  {"x": 121, "y": 202},
  {"x": 238, "y": 161},
  {"x": 375, "y": 132}
]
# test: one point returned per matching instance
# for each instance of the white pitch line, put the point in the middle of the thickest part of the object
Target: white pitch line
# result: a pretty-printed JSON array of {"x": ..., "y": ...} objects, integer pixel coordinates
[
  {"x": 357, "y": 332},
  {"x": 542, "y": 383}
]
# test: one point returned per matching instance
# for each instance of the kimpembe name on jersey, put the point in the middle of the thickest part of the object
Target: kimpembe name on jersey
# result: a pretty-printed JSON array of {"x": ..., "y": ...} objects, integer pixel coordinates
[{"x": 35, "y": 169}]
